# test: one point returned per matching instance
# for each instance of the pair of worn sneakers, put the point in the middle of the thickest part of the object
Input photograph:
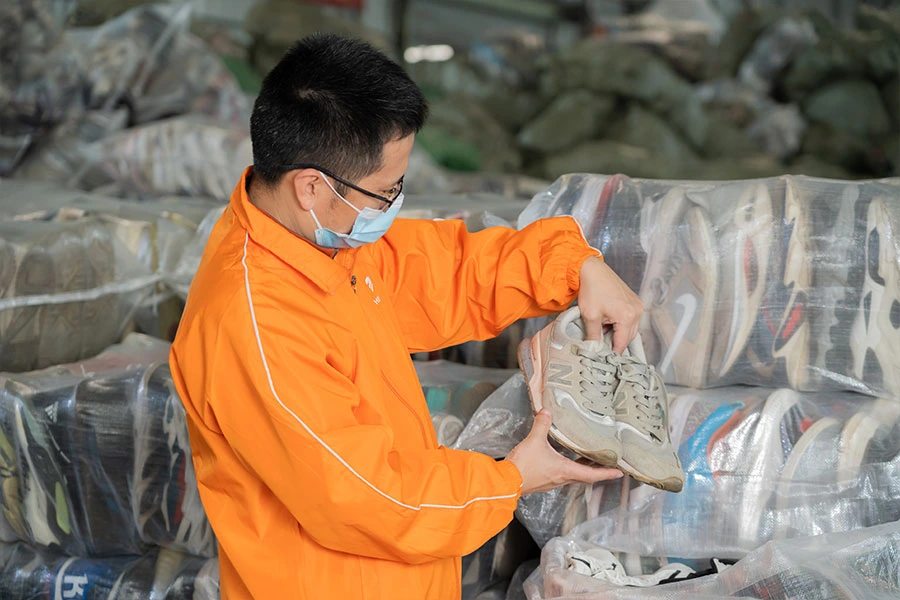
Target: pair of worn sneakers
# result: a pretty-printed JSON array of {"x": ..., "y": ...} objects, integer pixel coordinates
[{"x": 607, "y": 407}]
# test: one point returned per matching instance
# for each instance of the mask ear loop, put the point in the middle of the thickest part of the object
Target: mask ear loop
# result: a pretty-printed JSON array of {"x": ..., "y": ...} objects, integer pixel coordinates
[{"x": 347, "y": 202}]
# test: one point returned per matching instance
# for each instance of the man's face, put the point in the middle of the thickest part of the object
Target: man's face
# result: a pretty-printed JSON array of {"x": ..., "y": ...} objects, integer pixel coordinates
[{"x": 384, "y": 182}]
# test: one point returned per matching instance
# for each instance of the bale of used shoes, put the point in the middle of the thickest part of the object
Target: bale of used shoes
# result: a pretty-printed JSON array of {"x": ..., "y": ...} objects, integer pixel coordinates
[
  {"x": 96, "y": 456},
  {"x": 760, "y": 465},
  {"x": 787, "y": 281},
  {"x": 188, "y": 155},
  {"x": 140, "y": 67},
  {"x": 454, "y": 392},
  {"x": 27, "y": 572},
  {"x": 839, "y": 566},
  {"x": 66, "y": 290},
  {"x": 155, "y": 233},
  {"x": 489, "y": 569},
  {"x": 42, "y": 77},
  {"x": 148, "y": 61}
]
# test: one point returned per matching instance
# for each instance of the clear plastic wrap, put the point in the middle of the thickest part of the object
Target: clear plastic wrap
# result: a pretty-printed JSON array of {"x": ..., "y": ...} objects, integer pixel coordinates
[
  {"x": 155, "y": 232},
  {"x": 761, "y": 464},
  {"x": 180, "y": 279},
  {"x": 454, "y": 392},
  {"x": 486, "y": 573},
  {"x": 462, "y": 206},
  {"x": 787, "y": 281},
  {"x": 502, "y": 421},
  {"x": 96, "y": 456},
  {"x": 42, "y": 77},
  {"x": 188, "y": 155},
  {"x": 61, "y": 90},
  {"x": 60, "y": 155},
  {"x": 148, "y": 60},
  {"x": 30, "y": 574},
  {"x": 67, "y": 289},
  {"x": 839, "y": 566}
]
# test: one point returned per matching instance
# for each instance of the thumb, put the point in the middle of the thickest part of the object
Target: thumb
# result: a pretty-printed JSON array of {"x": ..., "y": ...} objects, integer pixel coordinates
[{"x": 542, "y": 422}]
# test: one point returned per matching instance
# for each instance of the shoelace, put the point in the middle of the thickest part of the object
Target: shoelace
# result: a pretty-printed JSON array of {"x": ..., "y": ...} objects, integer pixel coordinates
[
  {"x": 640, "y": 377},
  {"x": 602, "y": 381}
]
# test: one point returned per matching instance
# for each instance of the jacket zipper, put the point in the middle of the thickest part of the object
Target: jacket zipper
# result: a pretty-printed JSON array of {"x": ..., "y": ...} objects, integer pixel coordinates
[{"x": 415, "y": 415}]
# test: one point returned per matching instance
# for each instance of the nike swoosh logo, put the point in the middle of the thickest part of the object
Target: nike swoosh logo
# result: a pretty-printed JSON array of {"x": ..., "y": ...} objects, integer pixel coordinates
[{"x": 689, "y": 303}]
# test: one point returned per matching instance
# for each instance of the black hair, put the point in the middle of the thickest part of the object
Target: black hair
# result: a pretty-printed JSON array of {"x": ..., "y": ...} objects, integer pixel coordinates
[{"x": 333, "y": 102}]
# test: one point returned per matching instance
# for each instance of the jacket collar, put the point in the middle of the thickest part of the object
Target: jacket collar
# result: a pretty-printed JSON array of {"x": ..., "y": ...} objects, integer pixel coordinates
[{"x": 300, "y": 254}]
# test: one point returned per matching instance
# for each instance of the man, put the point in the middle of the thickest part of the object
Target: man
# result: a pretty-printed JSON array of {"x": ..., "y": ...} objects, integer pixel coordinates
[{"x": 314, "y": 451}]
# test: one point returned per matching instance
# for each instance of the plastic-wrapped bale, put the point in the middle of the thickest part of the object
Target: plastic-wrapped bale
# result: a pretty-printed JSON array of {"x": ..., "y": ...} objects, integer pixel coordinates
[
  {"x": 66, "y": 291},
  {"x": 787, "y": 281},
  {"x": 188, "y": 156},
  {"x": 185, "y": 269},
  {"x": 502, "y": 421},
  {"x": 761, "y": 464},
  {"x": 148, "y": 60},
  {"x": 486, "y": 573},
  {"x": 42, "y": 77},
  {"x": 502, "y": 209},
  {"x": 155, "y": 232},
  {"x": 454, "y": 392},
  {"x": 97, "y": 459},
  {"x": 839, "y": 566},
  {"x": 40, "y": 573}
]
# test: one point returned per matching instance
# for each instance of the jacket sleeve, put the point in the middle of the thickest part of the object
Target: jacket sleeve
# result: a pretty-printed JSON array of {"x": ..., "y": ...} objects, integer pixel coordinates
[
  {"x": 289, "y": 416},
  {"x": 450, "y": 286}
]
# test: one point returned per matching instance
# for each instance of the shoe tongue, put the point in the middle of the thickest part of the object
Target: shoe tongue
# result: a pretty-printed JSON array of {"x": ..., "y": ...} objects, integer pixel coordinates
[{"x": 593, "y": 345}]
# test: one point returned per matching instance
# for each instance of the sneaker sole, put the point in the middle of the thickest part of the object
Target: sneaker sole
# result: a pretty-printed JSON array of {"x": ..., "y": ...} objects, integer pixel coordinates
[
  {"x": 669, "y": 484},
  {"x": 530, "y": 364}
]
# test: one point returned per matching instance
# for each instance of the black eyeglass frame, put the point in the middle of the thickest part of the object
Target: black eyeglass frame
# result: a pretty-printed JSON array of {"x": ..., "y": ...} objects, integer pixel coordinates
[{"x": 388, "y": 201}]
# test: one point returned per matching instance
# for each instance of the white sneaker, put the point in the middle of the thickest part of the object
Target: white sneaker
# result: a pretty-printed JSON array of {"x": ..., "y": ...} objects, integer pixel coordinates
[
  {"x": 875, "y": 337},
  {"x": 642, "y": 407},
  {"x": 680, "y": 289},
  {"x": 780, "y": 350},
  {"x": 572, "y": 378},
  {"x": 745, "y": 241}
]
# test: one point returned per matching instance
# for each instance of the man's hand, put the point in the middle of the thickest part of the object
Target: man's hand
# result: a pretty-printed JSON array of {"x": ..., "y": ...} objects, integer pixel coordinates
[
  {"x": 543, "y": 468},
  {"x": 604, "y": 299}
]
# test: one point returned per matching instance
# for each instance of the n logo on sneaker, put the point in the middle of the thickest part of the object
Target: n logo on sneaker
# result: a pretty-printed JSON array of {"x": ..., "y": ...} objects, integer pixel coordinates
[{"x": 557, "y": 374}]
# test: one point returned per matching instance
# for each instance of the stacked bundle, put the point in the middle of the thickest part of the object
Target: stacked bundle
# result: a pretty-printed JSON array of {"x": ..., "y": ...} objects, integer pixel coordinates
[
  {"x": 96, "y": 457},
  {"x": 788, "y": 281},
  {"x": 779, "y": 282}
]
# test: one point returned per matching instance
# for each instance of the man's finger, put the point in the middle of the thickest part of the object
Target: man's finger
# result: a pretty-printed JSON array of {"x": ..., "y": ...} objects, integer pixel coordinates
[
  {"x": 586, "y": 474},
  {"x": 620, "y": 338},
  {"x": 542, "y": 422},
  {"x": 593, "y": 328}
]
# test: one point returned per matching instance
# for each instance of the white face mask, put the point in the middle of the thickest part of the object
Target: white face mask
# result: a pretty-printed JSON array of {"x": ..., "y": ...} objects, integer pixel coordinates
[{"x": 369, "y": 226}]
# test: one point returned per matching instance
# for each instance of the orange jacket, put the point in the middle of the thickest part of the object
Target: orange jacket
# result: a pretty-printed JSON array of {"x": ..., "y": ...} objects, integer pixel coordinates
[{"x": 315, "y": 455}]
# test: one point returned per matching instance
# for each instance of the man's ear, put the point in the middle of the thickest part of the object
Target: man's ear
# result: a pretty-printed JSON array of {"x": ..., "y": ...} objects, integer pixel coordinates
[{"x": 306, "y": 185}]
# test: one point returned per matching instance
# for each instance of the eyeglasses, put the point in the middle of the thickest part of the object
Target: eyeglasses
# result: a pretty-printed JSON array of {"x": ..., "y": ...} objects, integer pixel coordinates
[{"x": 393, "y": 193}]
